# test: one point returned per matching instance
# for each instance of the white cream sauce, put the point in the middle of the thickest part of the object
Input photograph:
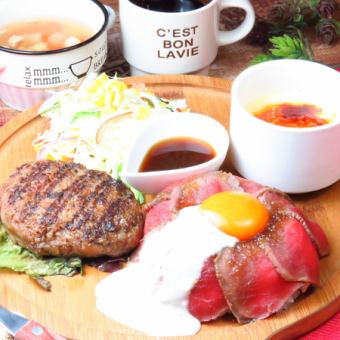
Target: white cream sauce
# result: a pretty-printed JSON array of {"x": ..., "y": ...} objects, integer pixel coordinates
[{"x": 151, "y": 295}]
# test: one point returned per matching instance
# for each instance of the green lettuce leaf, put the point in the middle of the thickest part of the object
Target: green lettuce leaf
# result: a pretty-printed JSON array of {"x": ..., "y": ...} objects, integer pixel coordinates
[
  {"x": 139, "y": 196},
  {"x": 82, "y": 114},
  {"x": 19, "y": 259}
]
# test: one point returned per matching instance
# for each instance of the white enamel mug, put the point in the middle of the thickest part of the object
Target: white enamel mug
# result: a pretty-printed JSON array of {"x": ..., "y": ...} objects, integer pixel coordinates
[
  {"x": 26, "y": 76},
  {"x": 177, "y": 42}
]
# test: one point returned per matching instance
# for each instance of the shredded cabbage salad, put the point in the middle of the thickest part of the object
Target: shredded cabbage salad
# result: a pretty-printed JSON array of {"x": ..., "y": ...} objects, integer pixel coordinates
[{"x": 84, "y": 124}]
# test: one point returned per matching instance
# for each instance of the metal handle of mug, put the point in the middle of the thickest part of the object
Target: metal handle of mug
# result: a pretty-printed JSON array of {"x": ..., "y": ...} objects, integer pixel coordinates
[{"x": 229, "y": 37}]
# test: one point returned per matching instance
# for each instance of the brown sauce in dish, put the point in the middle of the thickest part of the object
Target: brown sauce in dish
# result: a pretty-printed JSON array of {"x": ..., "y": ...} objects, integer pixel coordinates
[
  {"x": 177, "y": 153},
  {"x": 292, "y": 115}
]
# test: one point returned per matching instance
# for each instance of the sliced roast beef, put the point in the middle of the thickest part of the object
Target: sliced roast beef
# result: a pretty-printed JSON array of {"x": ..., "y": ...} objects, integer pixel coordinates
[
  {"x": 313, "y": 230},
  {"x": 195, "y": 190},
  {"x": 285, "y": 240},
  {"x": 251, "y": 284},
  {"x": 255, "y": 278},
  {"x": 277, "y": 201},
  {"x": 319, "y": 237},
  {"x": 158, "y": 215},
  {"x": 206, "y": 300}
]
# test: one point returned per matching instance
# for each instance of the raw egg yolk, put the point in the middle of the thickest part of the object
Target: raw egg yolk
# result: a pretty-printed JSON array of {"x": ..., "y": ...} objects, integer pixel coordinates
[{"x": 237, "y": 214}]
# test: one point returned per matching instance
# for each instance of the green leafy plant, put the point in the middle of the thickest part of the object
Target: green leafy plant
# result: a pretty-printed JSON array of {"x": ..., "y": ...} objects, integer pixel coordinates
[{"x": 286, "y": 46}]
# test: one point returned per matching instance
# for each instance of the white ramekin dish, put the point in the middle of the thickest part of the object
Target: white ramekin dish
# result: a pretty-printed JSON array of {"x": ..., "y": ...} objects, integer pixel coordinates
[
  {"x": 26, "y": 77},
  {"x": 185, "y": 124},
  {"x": 294, "y": 160}
]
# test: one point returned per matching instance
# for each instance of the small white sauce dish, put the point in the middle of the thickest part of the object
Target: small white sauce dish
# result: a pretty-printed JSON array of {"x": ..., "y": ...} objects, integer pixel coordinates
[
  {"x": 292, "y": 159},
  {"x": 185, "y": 124}
]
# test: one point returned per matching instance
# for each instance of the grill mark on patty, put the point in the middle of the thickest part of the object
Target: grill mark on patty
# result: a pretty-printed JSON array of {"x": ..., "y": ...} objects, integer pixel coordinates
[
  {"x": 87, "y": 214},
  {"x": 23, "y": 183},
  {"x": 107, "y": 221},
  {"x": 104, "y": 223},
  {"x": 57, "y": 206},
  {"x": 107, "y": 208},
  {"x": 46, "y": 193},
  {"x": 64, "y": 172},
  {"x": 105, "y": 198}
]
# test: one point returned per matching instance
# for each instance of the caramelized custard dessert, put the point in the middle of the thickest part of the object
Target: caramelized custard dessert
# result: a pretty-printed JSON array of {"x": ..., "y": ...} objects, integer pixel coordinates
[{"x": 293, "y": 115}]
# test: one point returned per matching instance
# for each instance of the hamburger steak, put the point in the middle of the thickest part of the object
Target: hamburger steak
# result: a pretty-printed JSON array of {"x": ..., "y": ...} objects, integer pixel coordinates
[{"x": 63, "y": 209}]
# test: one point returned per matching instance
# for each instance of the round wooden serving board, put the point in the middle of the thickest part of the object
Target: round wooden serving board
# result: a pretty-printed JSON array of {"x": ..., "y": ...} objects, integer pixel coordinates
[{"x": 70, "y": 308}]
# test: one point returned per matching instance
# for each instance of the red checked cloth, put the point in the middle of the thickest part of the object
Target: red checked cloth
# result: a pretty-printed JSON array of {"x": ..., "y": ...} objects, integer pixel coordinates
[{"x": 330, "y": 330}]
